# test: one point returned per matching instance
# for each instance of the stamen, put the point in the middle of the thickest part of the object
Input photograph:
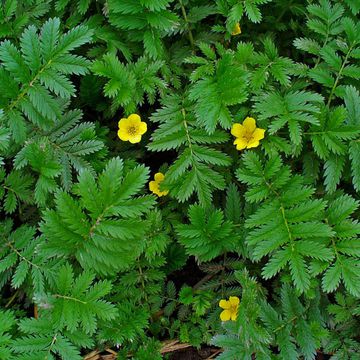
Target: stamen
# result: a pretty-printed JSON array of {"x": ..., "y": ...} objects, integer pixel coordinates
[
  {"x": 132, "y": 130},
  {"x": 248, "y": 136}
]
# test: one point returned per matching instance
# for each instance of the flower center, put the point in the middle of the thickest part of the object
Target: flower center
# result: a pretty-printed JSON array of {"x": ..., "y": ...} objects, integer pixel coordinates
[
  {"x": 248, "y": 136},
  {"x": 132, "y": 130}
]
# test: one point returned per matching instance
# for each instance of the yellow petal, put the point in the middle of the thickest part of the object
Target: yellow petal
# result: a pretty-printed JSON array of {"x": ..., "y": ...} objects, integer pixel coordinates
[
  {"x": 162, "y": 193},
  {"x": 240, "y": 143},
  {"x": 159, "y": 177},
  {"x": 224, "y": 304},
  {"x": 258, "y": 134},
  {"x": 154, "y": 187},
  {"x": 225, "y": 315},
  {"x": 123, "y": 134},
  {"x": 123, "y": 123},
  {"x": 142, "y": 128},
  {"x": 135, "y": 139},
  {"x": 234, "y": 316},
  {"x": 234, "y": 300},
  {"x": 135, "y": 118},
  {"x": 250, "y": 124},
  {"x": 238, "y": 130},
  {"x": 236, "y": 30},
  {"x": 253, "y": 144}
]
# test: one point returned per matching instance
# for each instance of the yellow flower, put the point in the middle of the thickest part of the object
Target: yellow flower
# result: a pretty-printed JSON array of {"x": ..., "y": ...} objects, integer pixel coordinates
[
  {"x": 247, "y": 134},
  {"x": 230, "y": 308},
  {"x": 236, "y": 30},
  {"x": 154, "y": 185},
  {"x": 131, "y": 129}
]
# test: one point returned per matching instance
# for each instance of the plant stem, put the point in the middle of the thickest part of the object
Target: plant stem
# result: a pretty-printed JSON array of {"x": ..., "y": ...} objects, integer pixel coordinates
[
  {"x": 339, "y": 76},
  {"x": 191, "y": 38},
  {"x": 12, "y": 299}
]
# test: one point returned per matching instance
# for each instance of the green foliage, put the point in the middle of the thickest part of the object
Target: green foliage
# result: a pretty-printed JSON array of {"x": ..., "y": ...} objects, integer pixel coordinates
[
  {"x": 41, "y": 341},
  {"x": 37, "y": 72},
  {"x": 148, "y": 20},
  {"x": 288, "y": 224},
  {"x": 76, "y": 302},
  {"x": 16, "y": 188},
  {"x": 67, "y": 143},
  {"x": 222, "y": 83},
  {"x": 106, "y": 209},
  {"x": 18, "y": 249},
  {"x": 208, "y": 234},
  {"x": 235, "y": 10},
  {"x": 344, "y": 246},
  {"x": 193, "y": 170},
  {"x": 7, "y": 321},
  {"x": 296, "y": 332},
  {"x": 293, "y": 109},
  {"x": 254, "y": 338},
  {"x": 90, "y": 259},
  {"x": 270, "y": 63},
  {"x": 129, "y": 84},
  {"x": 342, "y": 341}
]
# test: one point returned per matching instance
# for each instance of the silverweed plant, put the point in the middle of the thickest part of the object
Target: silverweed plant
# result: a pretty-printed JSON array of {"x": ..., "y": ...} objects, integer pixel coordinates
[{"x": 180, "y": 174}]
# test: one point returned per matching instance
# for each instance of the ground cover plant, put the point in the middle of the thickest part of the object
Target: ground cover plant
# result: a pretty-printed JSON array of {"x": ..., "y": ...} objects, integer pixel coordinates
[{"x": 183, "y": 171}]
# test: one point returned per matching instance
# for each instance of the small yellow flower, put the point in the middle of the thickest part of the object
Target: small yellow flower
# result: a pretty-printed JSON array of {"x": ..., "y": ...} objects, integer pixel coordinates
[
  {"x": 154, "y": 185},
  {"x": 236, "y": 30},
  {"x": 247, "y": 134},
  {"x": 230, "y": 308},
  {"x": 131, "y": 129}
]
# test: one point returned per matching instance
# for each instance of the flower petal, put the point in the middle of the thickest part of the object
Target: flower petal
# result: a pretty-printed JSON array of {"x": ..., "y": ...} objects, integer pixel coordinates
[
  {"x": 240, "y": 143},
  {"x": 236, "y": 29},
  {"x": 225, "y": 315},
  {"x": 252, "y": 144},
  {"x": 258, "y": 134},
  {"x": 224, "y": 304},
  {"x": 250, "y": 124},
  {"x": 134, "y": 118},
  {"x": 233, "y": 316},
  {"x": 142, "y": 128},
  {"x": 123, "y": 134},
  {"x": 159, "y": 177},
  {"x": 123, "y": 123},
  {"x": 234, "y": 301},
  {"x": 238, "y": 130},
  {"x": 153, "y": 187},
  {"x": 135, "y": 139}
]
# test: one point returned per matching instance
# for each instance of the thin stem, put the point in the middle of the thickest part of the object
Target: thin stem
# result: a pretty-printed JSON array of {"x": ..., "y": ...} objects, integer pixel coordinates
[
  {"x": 282, "y": 209},
  {"x": 191, "y": 38},
  {"x": 319, "y": 57},
  {"x": 69, "y": 298},
  {"x": 193, "y": 163},
  {"x": 98, "y": 220},
  {"x": 285, "y": 9},
  {"x": 287, "y": 227},
  {"x": 17, "y": 252},
  {"x": 339, "y": 76},
  {"x": 53, "y": 341},
  {"x": 285, "y": 324},
  {"x": 143, "y": 283},
  {"x": 12, "y": 299},
  {"x": 26, "y": 88},
  {"x": 187, "y": 131}
]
